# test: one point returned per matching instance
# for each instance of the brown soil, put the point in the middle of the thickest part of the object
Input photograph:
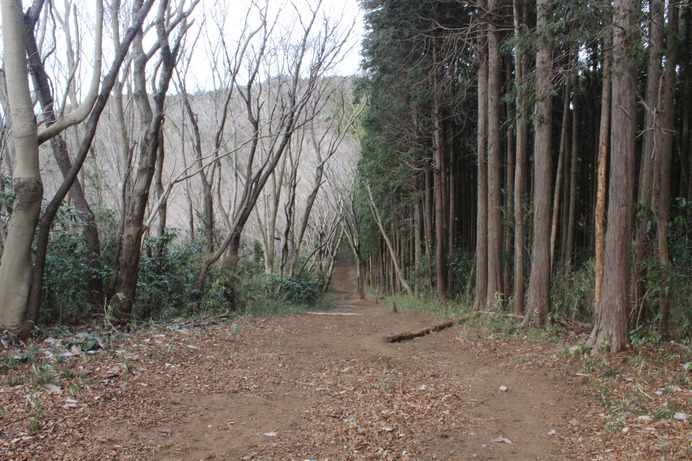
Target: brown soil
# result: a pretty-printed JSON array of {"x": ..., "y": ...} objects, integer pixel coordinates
[
  {"x": 307, "y": 387},
  {"x": 330, "y": 387}
]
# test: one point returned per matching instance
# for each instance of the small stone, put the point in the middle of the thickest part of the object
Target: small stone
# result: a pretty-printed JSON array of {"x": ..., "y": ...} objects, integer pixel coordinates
[
  {"x": 501, "y": 439},
  {"x": 503, "y": 388}
]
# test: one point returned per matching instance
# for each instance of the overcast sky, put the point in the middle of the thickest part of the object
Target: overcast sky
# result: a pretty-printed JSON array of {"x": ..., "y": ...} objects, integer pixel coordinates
[{"x": 347, "y": 11}]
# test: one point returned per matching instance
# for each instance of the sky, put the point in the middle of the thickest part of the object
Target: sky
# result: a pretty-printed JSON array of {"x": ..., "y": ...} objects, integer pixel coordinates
[{"x": 345, "y": 11}]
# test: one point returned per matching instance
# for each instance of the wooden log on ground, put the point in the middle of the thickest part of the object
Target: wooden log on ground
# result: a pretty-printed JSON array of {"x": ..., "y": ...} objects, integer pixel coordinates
[{"x": 426, "y": 331}]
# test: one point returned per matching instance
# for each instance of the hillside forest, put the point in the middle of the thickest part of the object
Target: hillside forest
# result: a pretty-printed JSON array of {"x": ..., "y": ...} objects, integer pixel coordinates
[{"x": 164, "y": 159}]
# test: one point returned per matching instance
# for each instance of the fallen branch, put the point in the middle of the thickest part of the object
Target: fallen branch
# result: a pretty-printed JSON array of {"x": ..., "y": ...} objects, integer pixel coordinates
[
  {"x": 333, "y": 313},
  {"x": 426, "y": 331}
]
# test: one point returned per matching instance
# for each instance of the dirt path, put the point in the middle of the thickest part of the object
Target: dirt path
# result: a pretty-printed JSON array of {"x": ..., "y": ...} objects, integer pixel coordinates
[{"x": 330, "y": 387}]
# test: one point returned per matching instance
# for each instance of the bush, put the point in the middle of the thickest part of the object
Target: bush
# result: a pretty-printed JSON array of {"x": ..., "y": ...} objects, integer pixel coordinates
[
  {"x": 167, "y": 283},
  {"x": 67, "y": 272},
  {"x": 260, "y": 293},
  {"x": 572, "y": 293}
]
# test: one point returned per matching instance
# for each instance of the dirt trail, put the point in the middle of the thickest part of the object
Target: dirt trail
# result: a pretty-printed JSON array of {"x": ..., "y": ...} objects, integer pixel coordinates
[{"x": 330, "y": 387}]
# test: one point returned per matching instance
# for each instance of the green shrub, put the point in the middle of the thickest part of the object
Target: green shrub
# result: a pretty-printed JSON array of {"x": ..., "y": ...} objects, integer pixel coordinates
[
  {"x": 572, "y": 292},
  {"x": 66, "y": 272},
  {"x": 260, "y": 293}
]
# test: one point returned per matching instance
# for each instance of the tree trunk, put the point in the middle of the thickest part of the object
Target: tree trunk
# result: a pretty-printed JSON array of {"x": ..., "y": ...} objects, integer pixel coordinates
[
  {"x": 62, "y": 158},
  {"x": 440, "y": 172},
  {"x": 207, "y": 195},
  {"x": 611, "y": 324},
  {"x": 398, "y": 272},
  {"x": 159, "y": 192},
  {"x": 559, "y": 175},
  {"x": 568, "y": 253},
  {"x": 663, "y": 168},
  {"x": 429, "y": 225},
  {"x": 482, "y": 193},
  {"x": 539, "y": 279},
  {"x": 522, "y": 138},
  {"x": 494, "y": 234},
  {"x": 643, "y": 242},
  {"x": 686, "y": 139},
  {"x": 137, "y": 194},
  {"x": 600, "y": 212},
  {"x": 15, "y": 265}
]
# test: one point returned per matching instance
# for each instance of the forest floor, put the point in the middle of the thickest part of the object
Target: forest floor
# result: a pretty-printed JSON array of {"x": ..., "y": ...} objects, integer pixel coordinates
[{"x": 329, "y": 387}]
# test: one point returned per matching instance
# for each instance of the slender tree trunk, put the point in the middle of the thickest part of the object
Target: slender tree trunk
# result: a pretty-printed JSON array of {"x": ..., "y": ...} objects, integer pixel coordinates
[
  {"x": 15, "y": 265},
  {"x": 440, "y": 173},
  {"x": 137, "y": 194},
  {"x": 159, "y": 191},
  {"x": 643, "y": 242},
  {"x": 611, "y": 325},
  {"x": 429, "y": 225},
  {"x": 495, "y": 291},
  {"x": 396, "y": 267},
  {"x": 663, "y": 167},
  {"x": 600, "y": 212},
  {"x": 539, "y": 279},
  {"x": 557, "y": 191},
  {"x": 572, "y": 207},
  {"x": 508, "y": 232},
  {"x": 686, "y": 139},
  {"x": 522, "y": 138},
  {"x": 482, "y": 208},
  {"x": 207, "y": 194},
  {"x": 62, "y": 158}
]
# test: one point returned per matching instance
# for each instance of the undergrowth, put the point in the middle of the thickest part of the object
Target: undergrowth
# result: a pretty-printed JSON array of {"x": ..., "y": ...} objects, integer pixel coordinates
[{"x": 167, "y": 281}]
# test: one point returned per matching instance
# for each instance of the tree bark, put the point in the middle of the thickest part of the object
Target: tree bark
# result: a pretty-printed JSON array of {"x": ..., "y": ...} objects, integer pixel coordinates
[
  {"x": 398, "y": 272},
  {"x": 611, "y": 325},
  {"x": 522, "y": 138},
  {"x": 482, "y": 192},
  {"x": 440, "y": 184},
  {"x": 495, "y": 291},
  {"x": 600, "y": 212},
  {"x": 137, "y": 193},
  {"x": 15, "y": 265},
  {"x": 90, "y": 132},
  {"x": 62, "y": 158},
  {"x": 663, "y": 167},
  {"x": 643, "y": 241},
  {"x": 539, "y": 279},
  {"x": 568, "y": 253},
  {"x": 559, "y": 175}
]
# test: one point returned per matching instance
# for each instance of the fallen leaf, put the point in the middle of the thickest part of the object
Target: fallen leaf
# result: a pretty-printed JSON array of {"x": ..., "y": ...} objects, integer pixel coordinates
[{"x": 53, "y": 389}]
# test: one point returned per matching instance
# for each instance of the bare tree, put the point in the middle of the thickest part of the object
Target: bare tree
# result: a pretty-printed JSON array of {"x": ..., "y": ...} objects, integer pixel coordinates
[
  {"x": 274, "y": 110},
  {"x": 42, "y": 84},
  {"x": 142, "y": 163},
  {"x": 90, "y": 132}
]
